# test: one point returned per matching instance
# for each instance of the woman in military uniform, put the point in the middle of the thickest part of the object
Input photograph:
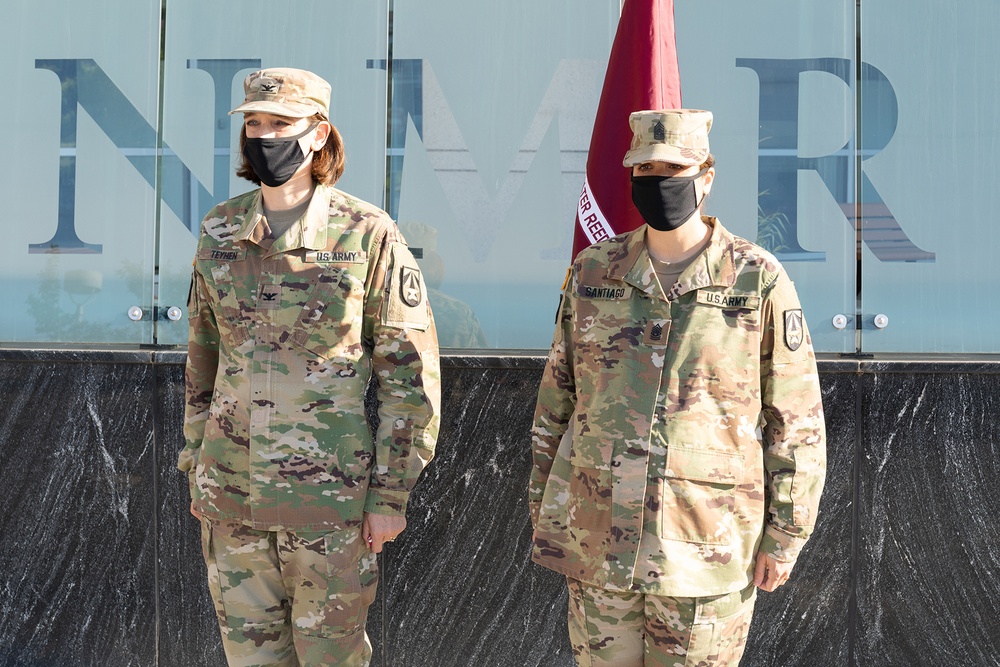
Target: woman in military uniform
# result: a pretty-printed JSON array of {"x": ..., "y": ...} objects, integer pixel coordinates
[
  {"x": 678, "y": 440},
  {"x": 300, "y": 295}
]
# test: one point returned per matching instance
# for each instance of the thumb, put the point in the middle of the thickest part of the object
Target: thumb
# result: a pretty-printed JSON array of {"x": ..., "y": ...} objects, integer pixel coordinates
[
  {"x": 760, "y": 571},
  {"x": 366, "y": 532}
]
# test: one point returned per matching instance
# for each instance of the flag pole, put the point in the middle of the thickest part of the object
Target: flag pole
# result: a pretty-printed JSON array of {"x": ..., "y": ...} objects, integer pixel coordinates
[{"x": 642, "y": 74}]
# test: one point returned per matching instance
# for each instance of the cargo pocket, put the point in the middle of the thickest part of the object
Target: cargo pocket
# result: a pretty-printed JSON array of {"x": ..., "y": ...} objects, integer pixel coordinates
[
  {"x": 230, "y": 317},
  {"x": 699, "y": 495},
  {"x": 241, "y": 578},
  {"x": 214, "y": 589},
  {"x": 721, "y": 627},
  {"x": 351, "y": 582},
  {"x": 589, "y": 502}
]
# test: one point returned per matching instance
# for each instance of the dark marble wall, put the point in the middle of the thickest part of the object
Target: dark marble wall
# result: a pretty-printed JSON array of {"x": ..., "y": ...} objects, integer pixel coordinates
[
  {"x": 100, "y": 562},
  {"x": 77, "y": 518},
  {"x": 806, "y": 621},
  {"x": 928, "y": 566}
]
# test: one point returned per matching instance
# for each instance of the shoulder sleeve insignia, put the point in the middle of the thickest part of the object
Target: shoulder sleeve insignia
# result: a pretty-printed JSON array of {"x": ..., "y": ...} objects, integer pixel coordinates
[
  {"x": 405, "y": 305},
  {"x": 409, "y": 286},
  {"x": 793, "y": 329}
]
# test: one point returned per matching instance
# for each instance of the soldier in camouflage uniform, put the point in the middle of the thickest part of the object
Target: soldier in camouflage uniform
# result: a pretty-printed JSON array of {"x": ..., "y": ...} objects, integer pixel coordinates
[
  {"x": 300, "y": 295},
  {"x": 678, "y": 441}
]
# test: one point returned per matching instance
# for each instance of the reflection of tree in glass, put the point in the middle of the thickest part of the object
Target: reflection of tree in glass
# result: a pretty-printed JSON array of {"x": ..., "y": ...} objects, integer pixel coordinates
[
  {"x": 82, "y": 286},
  {"x": 58, "y": 324},
  {"x": 457, "y": 324},
  {"x": 774, "y": 230}
]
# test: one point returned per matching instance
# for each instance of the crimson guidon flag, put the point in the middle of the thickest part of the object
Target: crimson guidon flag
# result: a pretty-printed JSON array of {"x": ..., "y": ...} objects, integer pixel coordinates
[{"x": 642, "y": 74}]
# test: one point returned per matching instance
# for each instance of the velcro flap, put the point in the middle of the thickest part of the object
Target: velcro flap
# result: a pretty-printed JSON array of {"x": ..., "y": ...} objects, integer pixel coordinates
[{"x": 703, "y": 465}]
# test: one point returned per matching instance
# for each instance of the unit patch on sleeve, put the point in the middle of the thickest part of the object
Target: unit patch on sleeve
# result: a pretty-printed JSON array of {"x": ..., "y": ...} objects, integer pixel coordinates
[
  {"x": 409, "y": 286},
  {"x": 793, "y": 329},
  {"x": 405, "y": 305}
]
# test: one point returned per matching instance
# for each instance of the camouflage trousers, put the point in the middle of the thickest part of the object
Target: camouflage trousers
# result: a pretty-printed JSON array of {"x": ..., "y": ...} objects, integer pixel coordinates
[
  {"x": 636, "y": 630},
  {"x": 290, "y": 599}
]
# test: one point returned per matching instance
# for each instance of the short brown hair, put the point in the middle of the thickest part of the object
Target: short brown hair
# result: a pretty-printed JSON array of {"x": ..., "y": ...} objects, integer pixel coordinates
[{"x": 327, "y": 164}]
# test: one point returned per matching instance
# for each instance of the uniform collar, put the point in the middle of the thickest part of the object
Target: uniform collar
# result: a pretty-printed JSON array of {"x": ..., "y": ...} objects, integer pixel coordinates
[
  {"x": 310, "y": 231},
  {"x": 714, "y": 267}
]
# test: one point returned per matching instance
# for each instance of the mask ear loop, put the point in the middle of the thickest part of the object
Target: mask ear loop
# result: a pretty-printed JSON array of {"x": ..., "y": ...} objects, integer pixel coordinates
[
  {"x": 309, "y": 129},
  {"x": 284, "y": 140},
  {"x": 304, "y": 132},
  {"x": 703, "y": 193}
]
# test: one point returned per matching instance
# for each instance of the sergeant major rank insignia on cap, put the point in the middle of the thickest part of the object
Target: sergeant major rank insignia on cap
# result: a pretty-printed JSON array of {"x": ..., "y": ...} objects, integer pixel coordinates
[
  {"x": 793, "y": 329},
  {"x": 659, "y": 132}
]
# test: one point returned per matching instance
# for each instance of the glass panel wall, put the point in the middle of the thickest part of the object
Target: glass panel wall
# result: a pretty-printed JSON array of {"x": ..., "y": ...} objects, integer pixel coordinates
[
  {"x": 210, "y": 48},
  {"x": 491, "y": 126},
  {"x": 107, "y": 180},
  {"x": 79, "y": 170},
  {"x": 779, "y": 78},
  {"x": 930, "y": 165}
]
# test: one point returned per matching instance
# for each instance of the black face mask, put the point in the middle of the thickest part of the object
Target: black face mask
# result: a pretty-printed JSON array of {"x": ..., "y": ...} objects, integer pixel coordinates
[
  {"x": 274, "y": 160},
  {"x": 666, "y": 202}
]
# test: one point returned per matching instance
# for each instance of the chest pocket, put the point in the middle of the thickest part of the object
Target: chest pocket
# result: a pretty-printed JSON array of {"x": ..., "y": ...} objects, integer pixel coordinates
[
  {"x": 328, "y": 322},
  {"x": 233, "y": 323},
  {"x": 619, "y": 345}
]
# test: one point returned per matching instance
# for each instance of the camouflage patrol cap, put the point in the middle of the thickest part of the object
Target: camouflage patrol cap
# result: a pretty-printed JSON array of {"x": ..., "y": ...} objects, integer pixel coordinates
[
  {"x": 285, "y": 91},
  {"x": 679, "y": 136}
]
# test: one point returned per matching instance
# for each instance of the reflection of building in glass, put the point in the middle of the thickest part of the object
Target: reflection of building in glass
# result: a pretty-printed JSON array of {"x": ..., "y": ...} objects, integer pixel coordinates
[
  {"x": 70, "y": 306},
  {"x": 780, "y": 160},
  {"x": 407, "y": 102},
  {"x": 457, "y": 324}
]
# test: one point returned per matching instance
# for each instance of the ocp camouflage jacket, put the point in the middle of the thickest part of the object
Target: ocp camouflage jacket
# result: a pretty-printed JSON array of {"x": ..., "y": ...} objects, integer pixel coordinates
[
  {"x": 285, "y": 335},
  {"x": 676, "y": 437}
]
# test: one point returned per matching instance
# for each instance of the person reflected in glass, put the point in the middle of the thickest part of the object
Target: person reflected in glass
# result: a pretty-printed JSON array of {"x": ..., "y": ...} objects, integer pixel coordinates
[
  {"x": 302, "y": 294},
  {"x": 456, "y": 321},
  {"x": 678, "y": 439}
]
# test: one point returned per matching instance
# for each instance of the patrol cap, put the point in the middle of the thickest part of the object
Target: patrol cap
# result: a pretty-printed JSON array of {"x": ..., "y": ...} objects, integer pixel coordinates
[
  {"x": 285, "y": 91},
  {"x": 679, "y": 136}
]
